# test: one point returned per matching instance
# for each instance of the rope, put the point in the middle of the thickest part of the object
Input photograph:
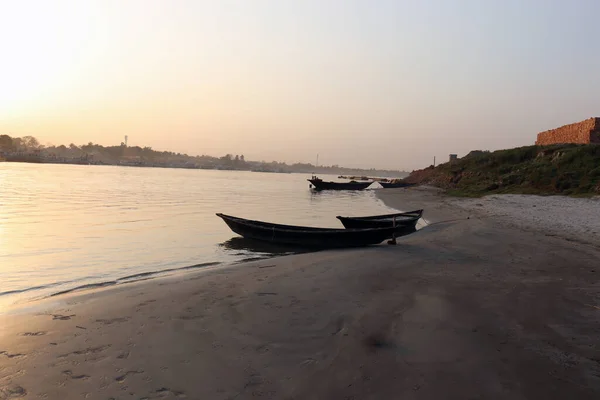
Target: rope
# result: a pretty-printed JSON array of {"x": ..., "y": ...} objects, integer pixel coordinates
[{"x": 447, "y": 220}]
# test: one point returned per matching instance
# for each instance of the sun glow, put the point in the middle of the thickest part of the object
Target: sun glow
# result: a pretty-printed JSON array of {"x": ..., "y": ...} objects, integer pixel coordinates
[{"x": 41, "y": 44}]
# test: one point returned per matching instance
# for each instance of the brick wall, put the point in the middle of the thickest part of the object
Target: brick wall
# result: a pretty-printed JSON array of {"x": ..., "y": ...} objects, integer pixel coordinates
[{"x": 583, "y": 132}]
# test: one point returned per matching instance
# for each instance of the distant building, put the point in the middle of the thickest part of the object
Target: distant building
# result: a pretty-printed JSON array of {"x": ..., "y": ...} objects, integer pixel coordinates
[
  {"x": 584, "y": 132},
  {"x": 453, "y": 157}
]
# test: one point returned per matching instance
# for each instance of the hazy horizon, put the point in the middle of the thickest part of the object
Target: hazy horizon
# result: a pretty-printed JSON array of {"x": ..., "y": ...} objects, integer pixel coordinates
[{"x": 385, "y": 85}]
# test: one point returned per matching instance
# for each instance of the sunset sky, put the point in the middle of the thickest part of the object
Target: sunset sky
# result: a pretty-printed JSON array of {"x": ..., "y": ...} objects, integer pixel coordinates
[{"x": 363, "y": 83}]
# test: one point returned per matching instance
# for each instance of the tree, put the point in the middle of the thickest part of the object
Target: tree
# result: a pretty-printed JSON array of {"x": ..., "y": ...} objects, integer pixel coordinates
[
  {"x": 30, "y": 143},
  {"x": 148, "y": 153},
  {"x": 6, "y": 143},
  {"x": 18, "y": 144},
  {"x": 242, "y": 159}
]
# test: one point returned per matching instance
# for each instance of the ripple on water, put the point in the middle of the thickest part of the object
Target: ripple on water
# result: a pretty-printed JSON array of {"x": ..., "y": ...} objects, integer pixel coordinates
[{"x": 64, "y": 227}]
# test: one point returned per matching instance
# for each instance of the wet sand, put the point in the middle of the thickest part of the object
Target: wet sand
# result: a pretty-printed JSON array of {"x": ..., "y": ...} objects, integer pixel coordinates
[{"x": 469, "y": 307}]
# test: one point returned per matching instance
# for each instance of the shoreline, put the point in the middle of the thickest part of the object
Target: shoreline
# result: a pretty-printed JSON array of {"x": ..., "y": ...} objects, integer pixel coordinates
[
  {"x": 52, "y": 161},
  {"x": 137, "y": 277},
  {"x": 573, "y": 219},
  {"x": 467, "y": 307},
  {"x": 232, "y": 250},
  {"x": 472, "y": 207}
]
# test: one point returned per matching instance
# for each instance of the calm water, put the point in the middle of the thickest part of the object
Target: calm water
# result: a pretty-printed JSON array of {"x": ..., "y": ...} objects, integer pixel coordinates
[{"x": 64, "y": 227}]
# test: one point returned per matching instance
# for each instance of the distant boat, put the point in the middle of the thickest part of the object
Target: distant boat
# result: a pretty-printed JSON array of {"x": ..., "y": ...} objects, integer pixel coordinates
[
  {"x": 356, "y": 178},
  {"x": 406, "y": 219},
  {"x": 308, "y": 237},
  {"x": 396, "y": 184},
  {"x": 320, "y": 184}
]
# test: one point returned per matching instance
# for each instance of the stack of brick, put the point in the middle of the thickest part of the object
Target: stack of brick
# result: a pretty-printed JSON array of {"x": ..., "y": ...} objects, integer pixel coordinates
[{"x": 583, "y": 132}]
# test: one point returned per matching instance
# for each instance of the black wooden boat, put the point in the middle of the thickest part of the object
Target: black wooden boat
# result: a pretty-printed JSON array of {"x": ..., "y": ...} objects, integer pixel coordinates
[
  {"x": 397, "y": 184},
  {"x": 405, "y": 220},
  {"x": 307, "y": 237},
  {"x": 320, "y": 184}
]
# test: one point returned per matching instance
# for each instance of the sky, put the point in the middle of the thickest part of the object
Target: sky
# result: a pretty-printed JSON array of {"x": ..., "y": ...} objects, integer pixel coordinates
[{"x": 386, "y": 84}]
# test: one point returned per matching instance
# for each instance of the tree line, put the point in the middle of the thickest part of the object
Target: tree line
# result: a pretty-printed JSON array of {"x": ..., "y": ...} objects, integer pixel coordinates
[
  {"x": 148, "y": 156},
  {"x": 25, "y": 143}
]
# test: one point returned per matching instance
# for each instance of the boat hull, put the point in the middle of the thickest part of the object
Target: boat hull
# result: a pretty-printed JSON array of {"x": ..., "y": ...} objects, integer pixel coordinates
[
  {"x": 402, "y": 221},
  {"x": 322, "y": 185},
  {"x": 307, "y": 237}
]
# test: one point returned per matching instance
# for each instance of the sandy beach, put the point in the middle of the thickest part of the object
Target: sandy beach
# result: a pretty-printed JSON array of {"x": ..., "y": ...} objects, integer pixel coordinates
[
  {"x": 475, "y": 305},
  {"x": 576, "y": 219}
]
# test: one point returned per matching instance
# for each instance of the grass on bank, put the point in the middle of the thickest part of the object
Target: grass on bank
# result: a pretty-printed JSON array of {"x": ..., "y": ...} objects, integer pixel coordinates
[{"x": 567, "y": 169}]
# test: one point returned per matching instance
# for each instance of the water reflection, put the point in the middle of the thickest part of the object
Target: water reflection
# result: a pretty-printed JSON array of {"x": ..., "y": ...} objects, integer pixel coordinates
[
  {"x": 251, "y": 249},
  {"x": 320, "y": 195},
  {"x": 240, "y": 246},
  {"x": 67, "y": 226}
]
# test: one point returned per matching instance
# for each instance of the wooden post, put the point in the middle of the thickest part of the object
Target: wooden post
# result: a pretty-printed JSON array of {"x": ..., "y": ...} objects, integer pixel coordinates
[{"x": 393, "y": 240}]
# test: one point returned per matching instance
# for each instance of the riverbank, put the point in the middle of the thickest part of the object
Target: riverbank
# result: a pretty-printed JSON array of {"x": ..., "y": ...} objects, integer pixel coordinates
[
  {"x": 558, "y": 169},
  {"x": 469, "y": 307},
  {"x": 574, "y": 219}
]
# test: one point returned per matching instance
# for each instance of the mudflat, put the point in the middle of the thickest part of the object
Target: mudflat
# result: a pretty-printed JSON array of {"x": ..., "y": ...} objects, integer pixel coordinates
[{"x": 472, "y": 306}]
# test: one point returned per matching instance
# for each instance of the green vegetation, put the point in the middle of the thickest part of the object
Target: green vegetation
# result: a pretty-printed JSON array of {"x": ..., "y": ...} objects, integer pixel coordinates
[
  {"x": 29, "y": 149},
  {"x": 567, "y": 169}
]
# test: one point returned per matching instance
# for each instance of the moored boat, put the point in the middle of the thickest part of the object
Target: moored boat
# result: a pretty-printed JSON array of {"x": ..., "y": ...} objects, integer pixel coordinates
[
  {"x": 308, "y": 237},
  {"x": 396, "y": 184},
  {"x": 405, "y": 220},
  {"x": 320, "y": 184}
]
